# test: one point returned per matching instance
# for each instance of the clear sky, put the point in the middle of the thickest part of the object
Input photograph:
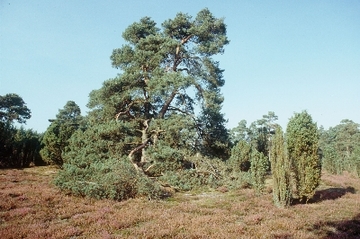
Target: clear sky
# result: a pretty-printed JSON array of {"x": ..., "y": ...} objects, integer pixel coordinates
[{"x": 284, "y": 56}]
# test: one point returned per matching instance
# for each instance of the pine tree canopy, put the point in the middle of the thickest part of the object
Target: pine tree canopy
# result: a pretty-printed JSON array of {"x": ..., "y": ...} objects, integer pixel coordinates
[
  {"x": 13, "y": 107},
  {"x": 158, "y": 116},
  {"x": 55, "y": 139},
  {"x": 167, "y": 75}
]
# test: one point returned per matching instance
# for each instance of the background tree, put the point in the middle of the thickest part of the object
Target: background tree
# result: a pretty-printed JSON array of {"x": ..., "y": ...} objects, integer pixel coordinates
[
  {"x": 339, "y": 145},
  {"x": 261, "y": 131},
  {"x": 215, "y": 139},
  {"x": 258, "y": 134},
  {"x": 331, "y": 161},
  {"x": 280, "y": 169},
  {"x": 302, "y": 138},
  {"x": 18, "y": 147},
  {"x": 347, "y": 137},
  {"x": 355, "y": 161},
  {"x": 56, "y": 136},
  {"x": 147, "y": 113},
  {"x": 13, "y": 107},
  {"x": 240, "y": 132},
  {"x": 25, "y": 149}
]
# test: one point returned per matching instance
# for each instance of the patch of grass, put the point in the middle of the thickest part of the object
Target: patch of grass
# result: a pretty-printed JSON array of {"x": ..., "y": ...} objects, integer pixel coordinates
[{"x": 31, "y": 207}]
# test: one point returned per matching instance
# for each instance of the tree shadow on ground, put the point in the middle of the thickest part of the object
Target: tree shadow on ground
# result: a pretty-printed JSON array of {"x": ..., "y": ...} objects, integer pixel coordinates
[
  {"x": 326, "y": 194},
  {"x": 330, "y": 194},
  {"x": 347, "y": 229}
]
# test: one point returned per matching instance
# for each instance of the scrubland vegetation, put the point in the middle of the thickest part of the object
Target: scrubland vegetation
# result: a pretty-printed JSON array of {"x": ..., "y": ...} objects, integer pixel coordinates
[
  {"x": 153, "y": 157},
  {"x": 31, "y": 207}
]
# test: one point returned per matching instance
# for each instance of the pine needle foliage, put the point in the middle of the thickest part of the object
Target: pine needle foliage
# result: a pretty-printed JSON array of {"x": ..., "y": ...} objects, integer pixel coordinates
[
  {"x": 56, "y": 136},
  {"x": 99, "y": 170},
  {"x": 114, "y": 179}
]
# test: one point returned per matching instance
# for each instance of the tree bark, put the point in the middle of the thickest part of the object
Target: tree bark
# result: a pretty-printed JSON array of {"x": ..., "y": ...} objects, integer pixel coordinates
[
  {"x": 167, "y": 104},
  {"x": 144, "y": 141}
]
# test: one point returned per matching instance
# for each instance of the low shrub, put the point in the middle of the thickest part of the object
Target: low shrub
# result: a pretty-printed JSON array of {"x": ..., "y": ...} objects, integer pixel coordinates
[{"x": 114, "y": 178}]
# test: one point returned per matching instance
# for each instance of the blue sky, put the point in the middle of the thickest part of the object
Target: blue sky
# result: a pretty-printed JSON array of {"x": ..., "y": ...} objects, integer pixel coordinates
[{"x": 284, "y": 56}]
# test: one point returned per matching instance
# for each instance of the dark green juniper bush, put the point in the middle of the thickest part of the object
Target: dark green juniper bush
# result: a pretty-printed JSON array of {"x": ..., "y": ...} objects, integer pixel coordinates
[
  {"x": 280, "y": 169},
  {"x": 302, "y": 140}
]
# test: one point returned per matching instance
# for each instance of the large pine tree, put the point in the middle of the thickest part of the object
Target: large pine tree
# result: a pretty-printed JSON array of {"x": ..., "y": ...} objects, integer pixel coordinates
[{"x": 147, "y": 114}]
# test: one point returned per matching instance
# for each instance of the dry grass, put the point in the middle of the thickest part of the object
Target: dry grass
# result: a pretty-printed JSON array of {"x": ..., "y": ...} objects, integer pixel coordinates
[{"x": 31, "y": 207}]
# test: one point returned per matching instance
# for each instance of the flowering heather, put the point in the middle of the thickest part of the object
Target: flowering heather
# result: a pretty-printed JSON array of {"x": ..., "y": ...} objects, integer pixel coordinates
[{"x": 31, "y": 207}]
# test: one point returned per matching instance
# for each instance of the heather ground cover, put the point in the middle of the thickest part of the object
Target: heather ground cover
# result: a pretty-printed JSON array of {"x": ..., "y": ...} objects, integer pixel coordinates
[{"x": 31, "y": 207}]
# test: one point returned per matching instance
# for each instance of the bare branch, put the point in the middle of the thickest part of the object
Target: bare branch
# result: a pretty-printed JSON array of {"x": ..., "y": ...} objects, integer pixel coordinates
[
  {"x": 143, "y": 145},
  {"x": 184, "y": 69},
  {"x": 126, "y": 112},
  {"x": 145, "y": 140},
  {"x": 178, "y": 109},
  {"x": 177, "y": 52},
  {"x": 186, "y": 39},
  {"x": 147, "y": 170}
]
